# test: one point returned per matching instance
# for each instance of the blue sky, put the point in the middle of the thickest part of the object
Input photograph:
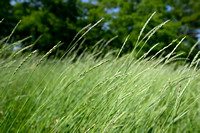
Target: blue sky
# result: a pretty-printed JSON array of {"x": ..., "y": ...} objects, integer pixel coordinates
[{"x": 85, "y": 0}]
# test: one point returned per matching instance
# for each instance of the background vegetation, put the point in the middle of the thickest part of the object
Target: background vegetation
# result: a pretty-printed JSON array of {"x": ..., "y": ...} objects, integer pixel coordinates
[{"x": 60, "y": 20}]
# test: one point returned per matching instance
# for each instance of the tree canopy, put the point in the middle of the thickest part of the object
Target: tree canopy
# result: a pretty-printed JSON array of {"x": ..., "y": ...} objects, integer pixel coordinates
[
  {"x": 60, "y": 20},
  {"x": 128, "y": 16}
]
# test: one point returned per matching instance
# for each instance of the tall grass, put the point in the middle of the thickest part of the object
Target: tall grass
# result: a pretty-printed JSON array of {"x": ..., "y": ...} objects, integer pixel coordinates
[{"x": 105, "y": 94}]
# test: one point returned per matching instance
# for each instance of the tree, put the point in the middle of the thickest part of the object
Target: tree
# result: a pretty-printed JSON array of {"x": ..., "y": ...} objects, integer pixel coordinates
[
  {"x": 128, "y": 16},
  {"x": 60, "y": 20},
  {"x": 9, "y": 21},
  {"x": 55, "y": 20}
]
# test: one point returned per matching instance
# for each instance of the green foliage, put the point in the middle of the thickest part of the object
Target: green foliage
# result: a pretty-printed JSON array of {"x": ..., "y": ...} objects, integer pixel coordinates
[
  {"x": 54, "y": 20},
  {"x": 127, "y": 17},
  {"x": 9, "y": 20},
  {"x": 60, "y": 20}
]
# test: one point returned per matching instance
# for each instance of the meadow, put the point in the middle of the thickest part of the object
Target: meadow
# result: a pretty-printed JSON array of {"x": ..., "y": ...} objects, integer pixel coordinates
[{"x": 91, "y": 93}]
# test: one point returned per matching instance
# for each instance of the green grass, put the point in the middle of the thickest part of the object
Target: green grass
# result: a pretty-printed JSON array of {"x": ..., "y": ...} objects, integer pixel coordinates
[
  {"x": 105, "y": 94},
  {"x": 98, "y": 95}
]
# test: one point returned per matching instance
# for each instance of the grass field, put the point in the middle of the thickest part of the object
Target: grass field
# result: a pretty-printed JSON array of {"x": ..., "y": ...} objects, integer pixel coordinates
[
  {"x": 90, "y": 94},
  {"x": 98, "y": 95}
]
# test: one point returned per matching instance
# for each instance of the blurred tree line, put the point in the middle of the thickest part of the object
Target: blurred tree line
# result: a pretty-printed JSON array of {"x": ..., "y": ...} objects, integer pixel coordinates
[{"x": 60, "y": 20}]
